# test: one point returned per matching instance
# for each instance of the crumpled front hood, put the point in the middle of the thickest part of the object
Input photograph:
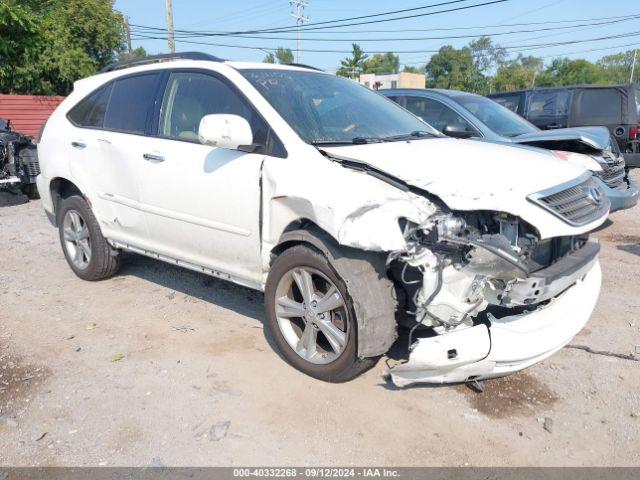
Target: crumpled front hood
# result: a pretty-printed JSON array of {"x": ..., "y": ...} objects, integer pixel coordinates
[
  {"x": 471, "y": 175},
  {"x": 570, "y": 139}
]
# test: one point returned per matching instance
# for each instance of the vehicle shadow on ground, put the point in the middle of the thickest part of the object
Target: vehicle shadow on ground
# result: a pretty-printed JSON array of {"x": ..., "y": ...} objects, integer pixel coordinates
[
  {"x": 242, "y": 300},
  {"x": 633, "y": 248},
  {"x": 9, "y": 199}
]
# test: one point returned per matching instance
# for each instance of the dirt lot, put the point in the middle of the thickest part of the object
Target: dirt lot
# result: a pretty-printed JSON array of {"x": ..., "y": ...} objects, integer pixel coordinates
[{"x": 162, "y": 366}]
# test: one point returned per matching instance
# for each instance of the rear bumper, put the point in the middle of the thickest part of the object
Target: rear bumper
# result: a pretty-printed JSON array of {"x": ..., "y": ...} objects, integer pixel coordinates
[
  {"x": 621, "y": 199},
  {"x": 509, "y": 344},
  {"x": 45, "y": 196}
]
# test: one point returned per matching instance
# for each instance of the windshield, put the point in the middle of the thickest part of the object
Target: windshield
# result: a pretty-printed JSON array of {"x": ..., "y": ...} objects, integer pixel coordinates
[
  {"x": 326, "y": 109},
  {"x": 498, "y": 118}
]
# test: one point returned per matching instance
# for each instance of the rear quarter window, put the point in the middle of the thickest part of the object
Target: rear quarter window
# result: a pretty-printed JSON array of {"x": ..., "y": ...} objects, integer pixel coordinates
[
  {"x": 598, "y": 106},
  {"x": 548, "y": 104},
  {"x": 512, "y": 102},
  {"x": 90, "y": 111}
]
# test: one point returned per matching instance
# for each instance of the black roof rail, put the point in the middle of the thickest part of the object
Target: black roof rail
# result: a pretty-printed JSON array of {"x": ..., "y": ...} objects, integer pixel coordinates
[
  {"x": 302, "y": 65},
  {"x": 134, "y": 62}
]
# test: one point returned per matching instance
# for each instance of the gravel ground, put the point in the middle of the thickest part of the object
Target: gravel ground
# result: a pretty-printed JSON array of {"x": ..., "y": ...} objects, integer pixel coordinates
[{"x": 163, "y": 366}]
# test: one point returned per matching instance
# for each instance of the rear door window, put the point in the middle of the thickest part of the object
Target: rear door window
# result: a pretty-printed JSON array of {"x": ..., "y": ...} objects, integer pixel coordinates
[
  {"x": 435, "y": 113},
  {"x": 598, "y": 106},
  {"x": 548, "y": 104},
  {"x": 131, "y": 103}
]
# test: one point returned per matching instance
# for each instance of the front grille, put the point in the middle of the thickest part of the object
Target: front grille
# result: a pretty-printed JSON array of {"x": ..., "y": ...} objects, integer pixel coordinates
[
  {"x": 578, "y": 202},
  {"x": 613, "y": 176}
]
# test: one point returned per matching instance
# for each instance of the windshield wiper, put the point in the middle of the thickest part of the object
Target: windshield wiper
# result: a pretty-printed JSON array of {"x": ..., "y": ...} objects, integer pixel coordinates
[
  {"x": 353, "y": 141},
  {"x": 414, "y": 134}
]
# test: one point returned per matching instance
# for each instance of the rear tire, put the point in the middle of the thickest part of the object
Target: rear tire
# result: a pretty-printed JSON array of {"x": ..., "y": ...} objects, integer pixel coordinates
[
  {"x": 86, "y": 250},
  {"x": 336, "y": 354}
]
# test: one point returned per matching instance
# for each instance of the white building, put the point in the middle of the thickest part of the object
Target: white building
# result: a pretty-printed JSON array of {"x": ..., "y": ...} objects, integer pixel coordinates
[{"x": 393, "y": 80}]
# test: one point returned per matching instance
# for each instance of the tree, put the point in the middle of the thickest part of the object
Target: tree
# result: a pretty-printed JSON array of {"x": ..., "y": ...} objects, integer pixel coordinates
[
  {"x": 382, "y": 63},
  {"x": 617, "y": 68},
  {"x": 284, "y": 56},
  {"x": 564, "y": 71},
  {"x": 138, "y": 52},
  {"x": 487, "y": 57},
  {"x": 269, "y": 58},
  {"x": 451, "y": 68},
  {"x": 352, "y": 66},
  {"x": 517, "y": 74},
  {"x": 18, "y": 36},
  {"x": 75, "y": 39},
  {"x": 412, "y": 69}
]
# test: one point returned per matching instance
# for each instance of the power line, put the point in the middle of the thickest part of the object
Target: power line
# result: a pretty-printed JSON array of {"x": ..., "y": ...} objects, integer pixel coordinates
[
  {"x": 293, "y": 29},
  {"x": 513, "y": 47},
  {"x": 447, "y": 37}
]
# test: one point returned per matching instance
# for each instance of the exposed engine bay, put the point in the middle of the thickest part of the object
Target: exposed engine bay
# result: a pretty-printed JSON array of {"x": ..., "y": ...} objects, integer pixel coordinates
[
  {"x": 18, "y": 161},
  {"x": 461, "y": 270}
]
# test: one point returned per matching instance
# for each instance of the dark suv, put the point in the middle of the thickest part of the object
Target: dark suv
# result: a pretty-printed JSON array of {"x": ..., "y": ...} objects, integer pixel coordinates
[{"x": 616, "y": 107}]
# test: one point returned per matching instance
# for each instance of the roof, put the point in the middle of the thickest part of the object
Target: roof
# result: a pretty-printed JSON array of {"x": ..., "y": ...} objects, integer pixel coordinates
[
  {"x": 28, "y": 113},
  {"x": 440, "y": 91}
]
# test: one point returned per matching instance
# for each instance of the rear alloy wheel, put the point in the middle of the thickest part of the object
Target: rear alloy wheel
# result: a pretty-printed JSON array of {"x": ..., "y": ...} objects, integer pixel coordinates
[
  {"x": 86, "y": 250},
  {"x": 311, "y": 318},
  {"x": 77, "y": 241}
]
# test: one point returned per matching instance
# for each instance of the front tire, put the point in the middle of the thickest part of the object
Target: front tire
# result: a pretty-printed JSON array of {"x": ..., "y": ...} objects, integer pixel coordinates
[
  {"x": 311, "y": 318},
  {"x": 86, "y": 250}
]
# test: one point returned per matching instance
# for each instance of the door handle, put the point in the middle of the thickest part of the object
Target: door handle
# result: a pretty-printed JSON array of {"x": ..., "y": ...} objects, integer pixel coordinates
[
  {"x": 153, "y": 158},
  {"x": 79, "y": 145}
]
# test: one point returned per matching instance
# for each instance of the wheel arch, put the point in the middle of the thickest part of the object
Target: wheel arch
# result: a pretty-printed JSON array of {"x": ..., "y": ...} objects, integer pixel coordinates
[
  {"x": 61, "y": 188},
  {"x": 364, "y": 273}
]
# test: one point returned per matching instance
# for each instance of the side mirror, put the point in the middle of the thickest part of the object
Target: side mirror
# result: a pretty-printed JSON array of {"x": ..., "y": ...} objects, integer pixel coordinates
[
  {"x": 457, "y": 131},
  {"x": 225, "y": 131}
]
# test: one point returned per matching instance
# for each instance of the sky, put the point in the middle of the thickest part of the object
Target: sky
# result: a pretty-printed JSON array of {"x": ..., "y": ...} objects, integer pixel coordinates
[{"x": 530, "y": 15}]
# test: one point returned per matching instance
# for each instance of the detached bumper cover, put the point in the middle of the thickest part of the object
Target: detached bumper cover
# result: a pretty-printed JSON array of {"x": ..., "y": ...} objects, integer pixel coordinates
[
  {"x": 621, "y": 199},
  {"x": 510, "y": 344}
]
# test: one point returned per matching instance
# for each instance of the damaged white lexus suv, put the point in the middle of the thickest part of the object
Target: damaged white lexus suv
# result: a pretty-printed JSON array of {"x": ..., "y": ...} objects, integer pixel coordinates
[{"x": 351, "y": 214}]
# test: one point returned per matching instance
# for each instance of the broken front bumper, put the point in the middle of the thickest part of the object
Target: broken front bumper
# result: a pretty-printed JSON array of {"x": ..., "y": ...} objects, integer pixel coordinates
[{"x": 509, "y": 344}]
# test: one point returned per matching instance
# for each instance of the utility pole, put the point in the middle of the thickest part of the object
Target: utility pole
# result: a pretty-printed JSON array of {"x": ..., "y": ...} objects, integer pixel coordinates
[
  {"x": 633, "y": 65},
  {"x": 300, "y": 19},
  {"x": 127, "y": 28},
  {"x": 172, "y": 41}
]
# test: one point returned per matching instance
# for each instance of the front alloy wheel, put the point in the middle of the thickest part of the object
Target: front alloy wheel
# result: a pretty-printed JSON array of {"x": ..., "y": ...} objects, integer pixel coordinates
[{"x": 312, "y": 315}]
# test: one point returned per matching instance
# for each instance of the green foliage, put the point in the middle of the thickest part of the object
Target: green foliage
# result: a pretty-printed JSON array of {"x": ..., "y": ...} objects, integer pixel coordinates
[
  {"x": 517, "y": 74},
  {"x": 62, "y": 41},
  {"x": 269, "y": 58},
  {"x": 412, "y": 69},
  {"x": 352, "y": 66},
  {"x": 563, "y": 71},
  {"x": 382, "y": 63},
  {"x": 135, "y": 53},
  {"x": 451, "y": 68},
  {"x": 617, "y": 68},
  {"x": 284, "y": 56}
]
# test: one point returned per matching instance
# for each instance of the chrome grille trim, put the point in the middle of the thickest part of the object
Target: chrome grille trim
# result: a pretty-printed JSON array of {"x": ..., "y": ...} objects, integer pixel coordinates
[
  {"x": 578, "y": 202},
  {"x": 612, "y": 175}
]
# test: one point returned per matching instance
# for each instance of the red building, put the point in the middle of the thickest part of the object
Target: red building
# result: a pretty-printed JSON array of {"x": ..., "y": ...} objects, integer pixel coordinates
[{"x": 28, "y": 113}]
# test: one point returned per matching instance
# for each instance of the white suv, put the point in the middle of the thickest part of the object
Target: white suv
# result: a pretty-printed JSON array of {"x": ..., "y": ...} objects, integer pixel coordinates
[{"x": 351, "y": 214}]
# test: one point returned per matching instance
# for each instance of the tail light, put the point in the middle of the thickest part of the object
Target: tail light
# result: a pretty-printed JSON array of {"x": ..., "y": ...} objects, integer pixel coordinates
[{"x": 633, "y": 132}]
